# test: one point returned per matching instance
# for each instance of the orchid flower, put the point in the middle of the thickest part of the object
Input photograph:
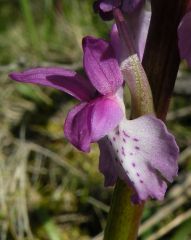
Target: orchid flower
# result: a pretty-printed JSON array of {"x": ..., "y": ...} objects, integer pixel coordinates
[
  {"x": 141, "y": 152},
  {"x": 100, "y": 109},
  {"x": 105, "y": 7},
  {"x": 138, "y": 18},
  {"x": 134, "y": 75}
]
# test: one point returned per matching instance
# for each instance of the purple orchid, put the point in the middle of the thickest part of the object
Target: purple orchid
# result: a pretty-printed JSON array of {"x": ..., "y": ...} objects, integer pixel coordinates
[
  {"x": 141, "y": 152},
  {"x": 138, "y": 22},
  {"x": 105, "y": 7},
  {"x": 138, "y": 25},
  {"x": 100, "y": 109},
  {"x": 126, "y": 45}
]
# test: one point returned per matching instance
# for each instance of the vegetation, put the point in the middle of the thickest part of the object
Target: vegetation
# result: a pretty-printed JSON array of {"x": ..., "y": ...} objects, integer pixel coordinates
[{"x": 48, "y": 189}]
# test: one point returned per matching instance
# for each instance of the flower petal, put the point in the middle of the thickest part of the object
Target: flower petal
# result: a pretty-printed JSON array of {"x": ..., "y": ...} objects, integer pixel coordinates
[
  {"x": 130, "y": 6},
  {"x": 77, "y": 127},
  {"x": 146, "y": 150},
  {"x": 90, "y": 122},
  {"x": 107, "y": 164},
  {"x": 106, "y": 115},
  {"x": 106, "y": 5},
  {"x": 138, "y": 23},
  {"x": 101, "y": 65},
  {"x": 184, "y": 34},
  {"x": 104, "y": 8},
  {"x": 59, "y": 78},
  {"x": 117, "y": 44}
]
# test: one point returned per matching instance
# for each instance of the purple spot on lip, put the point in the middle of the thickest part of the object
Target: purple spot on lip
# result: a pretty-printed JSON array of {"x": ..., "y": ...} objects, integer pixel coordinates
[
  {"x": 125, "y": 134},
  {"x": 135, "y": 139},
  {"x": 117, "y": 132},
  {"x": 141, "y": 181},
  {"x": 138, "y": 175},
  {"x": 117, "y": 150},
  {"x": 138, "y": 148},
  {"x": 114, "y": 139},
  {"x": 123, "y": 151},
  {"x": 124, "y": 140},
  {"x": 133, "y": 164}
]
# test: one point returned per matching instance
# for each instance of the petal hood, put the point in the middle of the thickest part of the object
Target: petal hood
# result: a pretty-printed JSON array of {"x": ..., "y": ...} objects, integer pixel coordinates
[{"x": 101, "y": 65}]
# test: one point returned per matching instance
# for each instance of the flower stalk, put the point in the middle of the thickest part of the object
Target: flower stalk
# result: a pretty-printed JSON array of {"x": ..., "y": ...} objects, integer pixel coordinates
[
  {"x": 133, "y": 71},
  {"x": 124, "y": 217}
]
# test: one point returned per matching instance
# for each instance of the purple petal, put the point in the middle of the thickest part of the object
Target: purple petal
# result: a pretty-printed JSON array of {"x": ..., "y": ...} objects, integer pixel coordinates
[
  {"x": 127, "y": 5},
  {"x": 77, "y": 127},
  {"x": 106, "y": 5},
  {"x": 106, "y": 115},
  {"x": 65, "y": 80},
  {"x": 184, "y": 34},
  {"x": 101, "y": 65},
  {"x": 130, "y": 5},
  {"x": 138, "y": 23},
  {"x": 104, "y": 8},
  {"x": 107, "y": 164},
  {"x": 117, "y": 44},
  {"x": 90, "y": 122},
  {"x": 146, "y": 151}
]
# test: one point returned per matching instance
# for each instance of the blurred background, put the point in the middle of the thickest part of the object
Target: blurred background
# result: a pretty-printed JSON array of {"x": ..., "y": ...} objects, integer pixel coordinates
[{"x": 48, "y": 189}]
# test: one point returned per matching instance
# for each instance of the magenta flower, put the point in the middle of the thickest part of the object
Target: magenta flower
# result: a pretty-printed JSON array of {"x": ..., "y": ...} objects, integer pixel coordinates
[
  {"x": 141, "y": 152},
  {"x": 105, "y": 7},
  {"x": 100, "y": 109},
  {"x": 138, "y": 25}
]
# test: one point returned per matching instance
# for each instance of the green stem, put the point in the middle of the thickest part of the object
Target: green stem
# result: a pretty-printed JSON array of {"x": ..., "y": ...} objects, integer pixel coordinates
[{"x": 124, "y": 217}]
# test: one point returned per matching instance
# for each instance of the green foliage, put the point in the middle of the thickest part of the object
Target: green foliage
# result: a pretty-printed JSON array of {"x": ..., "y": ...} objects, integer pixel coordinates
[{"x": 183, "y": 232}]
